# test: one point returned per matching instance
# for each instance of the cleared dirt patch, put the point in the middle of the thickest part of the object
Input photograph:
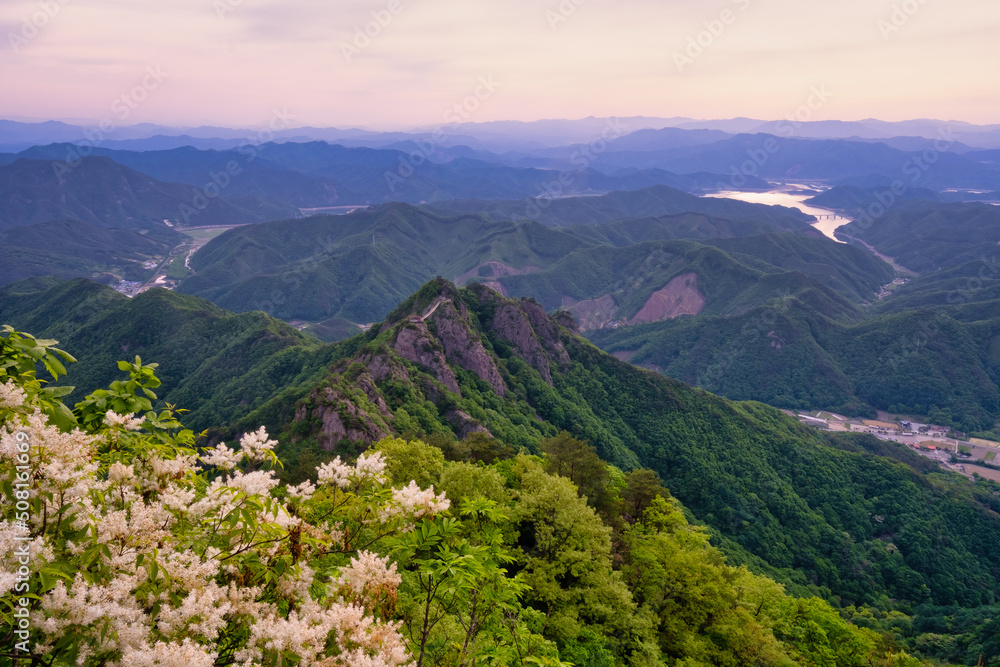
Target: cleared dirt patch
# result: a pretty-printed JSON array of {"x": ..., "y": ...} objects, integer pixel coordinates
[
  {"x": 988, "y": 473},
  {"x": 879, "y": 424},
  {"x": 679, "y": 297},
  {"x": 594, "y": 313}
]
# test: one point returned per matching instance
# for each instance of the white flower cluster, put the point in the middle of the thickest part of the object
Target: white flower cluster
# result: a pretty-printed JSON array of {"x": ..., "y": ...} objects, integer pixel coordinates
[
  {"x": 128, "y": 422},
  {"x": 179, "y": 560},
  {"x": 303, "y": 491},
  {"x": 119, "y": 473},
  {"x": 172, "y": 654},
  {"x": 11, "y": 396},
  {"x": 254, "y": 446},
  {"x": 68, "y": 610},
  {"x": 257, "y": 483},
  {"x": 221, "y": 456},
  {"x": 369, "y": 466},
  {"x": 361, "y": 639},
  {"x": 369, "y": 575},
  {"x": 64, "y": 463},
  {"x": 413, "y": 502},
  {"x": 11, "y": 546}
]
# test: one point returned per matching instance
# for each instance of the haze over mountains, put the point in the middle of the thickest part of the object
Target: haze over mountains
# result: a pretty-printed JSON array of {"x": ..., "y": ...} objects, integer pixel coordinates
[
  {"x": 506, "y": 135},
  {"x": 489, "y": 288}
]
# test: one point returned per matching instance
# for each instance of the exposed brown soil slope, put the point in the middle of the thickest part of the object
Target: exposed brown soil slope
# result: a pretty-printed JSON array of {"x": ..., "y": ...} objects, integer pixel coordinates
[{"x": 679, "y": 297}]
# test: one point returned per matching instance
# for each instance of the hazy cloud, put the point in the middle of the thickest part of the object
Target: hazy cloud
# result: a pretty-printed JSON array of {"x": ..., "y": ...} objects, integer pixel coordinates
[{"x": 232, "y": 61}]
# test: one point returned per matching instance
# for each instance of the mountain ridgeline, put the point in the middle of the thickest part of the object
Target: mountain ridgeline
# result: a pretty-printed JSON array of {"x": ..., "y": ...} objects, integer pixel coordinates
[
  {"x": 318, "y": 174},
  {"x": 452, "y": 363},
  {"x": 358, "y": 266},
  {"x": 101, "y": 192},
  {"x": 217, "y": 364},
  {"x": 846, "y": 518}
]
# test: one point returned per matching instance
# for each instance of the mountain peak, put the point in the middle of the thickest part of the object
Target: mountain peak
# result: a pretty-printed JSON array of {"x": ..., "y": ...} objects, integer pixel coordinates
[{"x": 444, "y": 345}]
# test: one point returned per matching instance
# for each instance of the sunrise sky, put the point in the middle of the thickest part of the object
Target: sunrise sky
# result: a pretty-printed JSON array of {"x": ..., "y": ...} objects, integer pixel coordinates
[{"x": 231, "y": 62}]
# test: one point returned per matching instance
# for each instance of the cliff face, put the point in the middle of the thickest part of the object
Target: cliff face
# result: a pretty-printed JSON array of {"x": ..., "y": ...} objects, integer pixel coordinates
[
  {"x": 420, "y": 355},
  {"x": 528, "y": 329},
  {"x": 463, "y": 346},
  {"x": 415, "y": 342},
  {"x": 342, "y": 412}
]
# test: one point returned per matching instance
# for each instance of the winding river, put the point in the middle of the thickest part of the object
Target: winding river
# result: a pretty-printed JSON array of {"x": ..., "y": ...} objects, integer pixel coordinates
[{"x": 790, "y": 197}]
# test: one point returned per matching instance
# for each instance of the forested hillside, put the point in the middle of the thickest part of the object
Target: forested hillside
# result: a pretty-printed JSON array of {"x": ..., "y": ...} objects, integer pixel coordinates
[
  {"x": 219, "y": 363},
  {"x": 646, "y": 203},
  {"x": 358, "y": 266},
  {"x": 780, "y": 497},
  {"x": 71, "y": 248},
  {"x": 404, "y": 555},
  {"x": 925, "y": 237},
  {"x": 479, "y": 377},
  {"x": 790, "y": 354},
  {"x": 927, "y": 347},
  {"x": 649, "y": 281},
  {"x": 100, "y": 192}
]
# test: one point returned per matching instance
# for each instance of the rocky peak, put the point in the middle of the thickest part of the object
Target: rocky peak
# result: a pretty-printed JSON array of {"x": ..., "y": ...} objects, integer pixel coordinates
[
  {"x": 414, "y": 341},
  {"x": 462, "y": 345},
  {"x": 440, "y": 329},
  {"x": 527, "y": 328}
]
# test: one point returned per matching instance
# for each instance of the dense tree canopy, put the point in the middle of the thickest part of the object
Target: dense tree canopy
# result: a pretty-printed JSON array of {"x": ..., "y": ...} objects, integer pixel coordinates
[{"x": 146, "y": 550}]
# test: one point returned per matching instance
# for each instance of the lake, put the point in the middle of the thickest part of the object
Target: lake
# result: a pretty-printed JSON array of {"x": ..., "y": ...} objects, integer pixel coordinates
[{"x": 792, "y": 200}]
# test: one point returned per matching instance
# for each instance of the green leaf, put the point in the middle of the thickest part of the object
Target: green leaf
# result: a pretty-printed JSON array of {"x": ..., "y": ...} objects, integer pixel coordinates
[{"x": 57, "y": 392}]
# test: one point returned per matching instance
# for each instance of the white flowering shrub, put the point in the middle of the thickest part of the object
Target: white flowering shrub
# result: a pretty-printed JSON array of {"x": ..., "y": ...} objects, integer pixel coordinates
[{"x": 144, "y": 552}]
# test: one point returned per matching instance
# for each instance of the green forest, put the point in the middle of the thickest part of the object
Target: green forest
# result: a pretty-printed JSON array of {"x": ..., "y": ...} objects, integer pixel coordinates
[
  {"x": 850, "y": 528},
  {"x": 930, "y": 348},
  {"x": 552, "y": 558}
]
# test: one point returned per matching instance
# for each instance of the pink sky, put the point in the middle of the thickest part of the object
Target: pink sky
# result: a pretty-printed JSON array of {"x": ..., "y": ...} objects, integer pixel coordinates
[{"x": 231, "y": 62}]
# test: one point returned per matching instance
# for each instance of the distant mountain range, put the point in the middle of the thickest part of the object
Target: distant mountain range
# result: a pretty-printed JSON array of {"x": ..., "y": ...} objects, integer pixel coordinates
[
  {"x": 101, "y": 192},
  {"x": 356, "y": 266},
  {"x": 789, "y": 158},
  {"x": 498, "y": 135},
  {"x": 317, "y": 174}
]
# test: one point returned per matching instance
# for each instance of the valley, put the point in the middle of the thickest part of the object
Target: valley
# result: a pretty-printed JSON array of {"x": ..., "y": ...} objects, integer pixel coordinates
[
  {"x": 507, "y": 334},
  {"x": 742, "y": 357},
  {"x": 938, "y": 443}
]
